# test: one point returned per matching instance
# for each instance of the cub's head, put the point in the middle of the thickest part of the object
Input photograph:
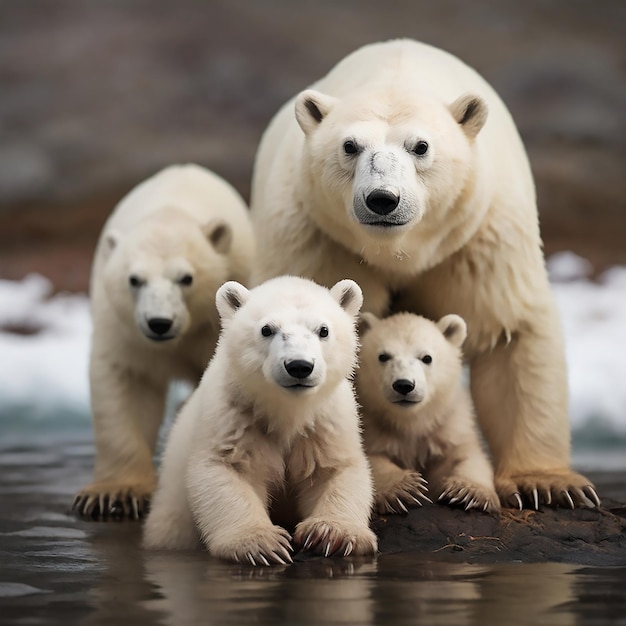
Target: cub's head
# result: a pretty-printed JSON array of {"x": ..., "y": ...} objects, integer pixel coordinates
[
  {"x": 289, "y": 335},
  {"x": 388, "y": 156},
  {"x": 162, "y": 275},
  {"x": 407, "y": 362}
]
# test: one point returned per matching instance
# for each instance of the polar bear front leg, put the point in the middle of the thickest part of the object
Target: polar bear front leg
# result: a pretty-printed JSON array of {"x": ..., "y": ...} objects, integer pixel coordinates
[
  {"x": 336, "y": 506},
  {"x": 127, "y": 413},
  {"x": 520, "y": 393},
  {"x": 395, "y": 488},
  {"x": 231, "y": 515}
]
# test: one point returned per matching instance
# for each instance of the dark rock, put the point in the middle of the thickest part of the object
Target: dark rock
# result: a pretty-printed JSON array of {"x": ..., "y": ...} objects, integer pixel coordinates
[{"x": 583, "y": 536}]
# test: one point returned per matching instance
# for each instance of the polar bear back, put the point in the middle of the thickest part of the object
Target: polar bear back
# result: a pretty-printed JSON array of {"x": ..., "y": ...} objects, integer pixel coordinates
[{"x": 190, "y": 188}]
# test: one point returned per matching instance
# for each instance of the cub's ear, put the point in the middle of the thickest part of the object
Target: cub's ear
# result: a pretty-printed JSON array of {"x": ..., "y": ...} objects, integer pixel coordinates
[
  {"x": 311, "y": 108},
  {"x": 470, "y": 112},
  {"x": 109, "y": 243},
  {"x": 230, "y": 297},
  {"x": 219, "y": 234},
  {"x": 366, "y": 322},
  {"x": 454, "y": 329},
  {"x": 349, "y": 296}
]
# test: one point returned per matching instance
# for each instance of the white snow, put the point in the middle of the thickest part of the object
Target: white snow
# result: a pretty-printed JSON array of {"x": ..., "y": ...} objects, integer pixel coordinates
[
  {"x": 49, "y": 368},
  {"x": 44, "y": 375}
]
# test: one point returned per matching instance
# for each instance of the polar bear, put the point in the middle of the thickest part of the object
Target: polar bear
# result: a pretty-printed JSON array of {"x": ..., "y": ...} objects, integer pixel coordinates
[
  {"x": 162, "y": 254},
  {"x": 418, "y": 418},
  {"x": 403, "y": 170},
  {"x": 273, "y": 419}
]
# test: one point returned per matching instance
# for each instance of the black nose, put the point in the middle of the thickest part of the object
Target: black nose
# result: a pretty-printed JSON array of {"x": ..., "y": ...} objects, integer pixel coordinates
[
  {"x": 382, "y": 202},
  {"x": 403, "y": 386},
  {"x": 298, "y": 368},
  {"x": 159, "y": 325}
]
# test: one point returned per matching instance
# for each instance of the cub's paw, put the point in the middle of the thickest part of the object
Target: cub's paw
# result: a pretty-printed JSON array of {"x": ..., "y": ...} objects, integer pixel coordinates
[
  {"x": 409, "y": 491},
  {"x": 557, "y": 488},
  {"x": 469, "y": 496},
  {"x": 113, "y": 501},
  {"x": 258, "y": 546},
  {"x": 327, "y": 538}
]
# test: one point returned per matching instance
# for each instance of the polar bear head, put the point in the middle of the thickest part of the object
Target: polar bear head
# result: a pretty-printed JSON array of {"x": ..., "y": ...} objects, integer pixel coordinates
[
  {"x": 289, "y": 335},
  {"x": 163, "y": 273},
  {"x": 387, "y": 156},
  {"x": 408, "y": 362}
]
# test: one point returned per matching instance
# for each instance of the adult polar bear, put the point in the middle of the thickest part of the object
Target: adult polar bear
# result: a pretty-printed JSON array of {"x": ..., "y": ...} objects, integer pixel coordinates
[{"x": 403, "y": 170}]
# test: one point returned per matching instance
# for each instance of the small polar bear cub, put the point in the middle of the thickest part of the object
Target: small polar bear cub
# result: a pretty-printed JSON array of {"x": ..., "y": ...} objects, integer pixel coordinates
[
  {"x": 274, "y": 417},
  {"x": 418, "y": 417},
  {"x": 163, "y": 253}
]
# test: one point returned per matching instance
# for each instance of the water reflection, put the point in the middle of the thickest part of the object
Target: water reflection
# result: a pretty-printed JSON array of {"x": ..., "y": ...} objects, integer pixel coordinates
[
  {"x": 97, "y": 575},
  {"x": 393, "y": 589}
]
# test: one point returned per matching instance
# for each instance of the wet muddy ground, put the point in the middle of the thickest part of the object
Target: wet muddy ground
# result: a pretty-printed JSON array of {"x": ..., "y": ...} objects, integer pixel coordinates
[{"x": 436, "y": 566}]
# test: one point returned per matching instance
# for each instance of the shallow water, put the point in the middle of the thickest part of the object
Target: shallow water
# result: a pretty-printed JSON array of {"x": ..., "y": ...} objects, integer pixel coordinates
[{"x": 55, "y": 569}]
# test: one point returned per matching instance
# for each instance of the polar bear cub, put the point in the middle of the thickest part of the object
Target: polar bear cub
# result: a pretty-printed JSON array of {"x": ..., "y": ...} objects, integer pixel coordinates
[
  {"x": 162, "y": 255},
  {"x": 418, "y": 417},
  {"x": 273, "y": 418}
]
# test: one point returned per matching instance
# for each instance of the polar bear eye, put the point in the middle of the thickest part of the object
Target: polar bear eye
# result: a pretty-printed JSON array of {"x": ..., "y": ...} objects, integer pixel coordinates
[
  {"x": 323, "y": 331},
  {"x": 185, "y": 280},
  {"x": 421, "y": 148},
  {"x": 267, "y": 331},
  {"x": 427, "y": 359},
  {"x": 383, "y": 357},
  {"x": 350, "y": 147},
  {"x": 135, "y": 281}
]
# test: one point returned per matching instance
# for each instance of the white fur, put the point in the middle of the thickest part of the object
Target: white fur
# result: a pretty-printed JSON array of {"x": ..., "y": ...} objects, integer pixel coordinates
[
  {"x": 248, "y": 436},
  {"x": 463, "y": 237},
  {"x": 183, "y": 223},
  {"x": 428, "y": 430}
]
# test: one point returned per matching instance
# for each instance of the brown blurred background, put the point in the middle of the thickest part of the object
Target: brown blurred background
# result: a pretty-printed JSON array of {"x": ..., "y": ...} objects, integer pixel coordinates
[{"x": 97, "y": 95}]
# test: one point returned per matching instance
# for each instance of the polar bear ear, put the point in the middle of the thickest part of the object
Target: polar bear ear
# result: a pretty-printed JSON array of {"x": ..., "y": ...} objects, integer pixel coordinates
[
  {"x": 366, "y": 322},
  {"x": 230, "y": 297},
  {"x": 311, "y": 108},
  {"x": 219, "y": 234},
  {"x": 111, "y": 240},
  {"x": 454, "y": 329},
  {"x": 470, "y": 112},
  {"x": 349, "y": 296}
]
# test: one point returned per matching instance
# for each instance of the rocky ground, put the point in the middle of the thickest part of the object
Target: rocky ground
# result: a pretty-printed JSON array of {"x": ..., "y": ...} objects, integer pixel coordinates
[
  {"x": 582, "y": 536},
  {"x": 94, "y": 96}
]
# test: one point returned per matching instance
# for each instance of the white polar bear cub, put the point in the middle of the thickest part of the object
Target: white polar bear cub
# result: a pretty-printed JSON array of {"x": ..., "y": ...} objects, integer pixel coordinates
[
  {"x": 418, "y": 417},
  {"x": 274, "y": 417},
  {"x": 162, "y": 255}
]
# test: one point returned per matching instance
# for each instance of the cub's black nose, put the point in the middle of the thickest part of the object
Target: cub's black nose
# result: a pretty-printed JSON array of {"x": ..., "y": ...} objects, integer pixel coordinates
[
  {"x": 381, "y": 201},
  {"x": 159, "y": 325},
  {"x": 403, "y": 386},
  {"x": 298, "y": 368}
]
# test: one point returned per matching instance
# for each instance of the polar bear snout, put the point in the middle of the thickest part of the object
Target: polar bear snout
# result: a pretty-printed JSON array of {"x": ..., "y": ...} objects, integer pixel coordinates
[
  {"x": 299, "y": 368},
  {"x": 160, "y": 326},
  {"x": 382, "y": 201},
  {"x": 403, "y": 386},
  {"x": 299, "y": 374},
  {"x": 404, "y": 392}
]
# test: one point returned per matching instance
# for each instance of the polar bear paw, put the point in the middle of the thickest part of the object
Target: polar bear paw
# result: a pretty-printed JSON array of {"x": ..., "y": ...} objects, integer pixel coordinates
[
  {"x": 409, "y": 491},
  {"x": 264, "y": 546},
  {"x": 470, "y": 496},
  {"x": 113, "y": 501},
  {"x": 563, "y": 488},
  {"x": 331, "y": 538}
]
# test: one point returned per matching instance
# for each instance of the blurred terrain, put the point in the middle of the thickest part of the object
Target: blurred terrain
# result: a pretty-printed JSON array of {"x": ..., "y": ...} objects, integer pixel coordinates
[{"x": 95, "y": 96}]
